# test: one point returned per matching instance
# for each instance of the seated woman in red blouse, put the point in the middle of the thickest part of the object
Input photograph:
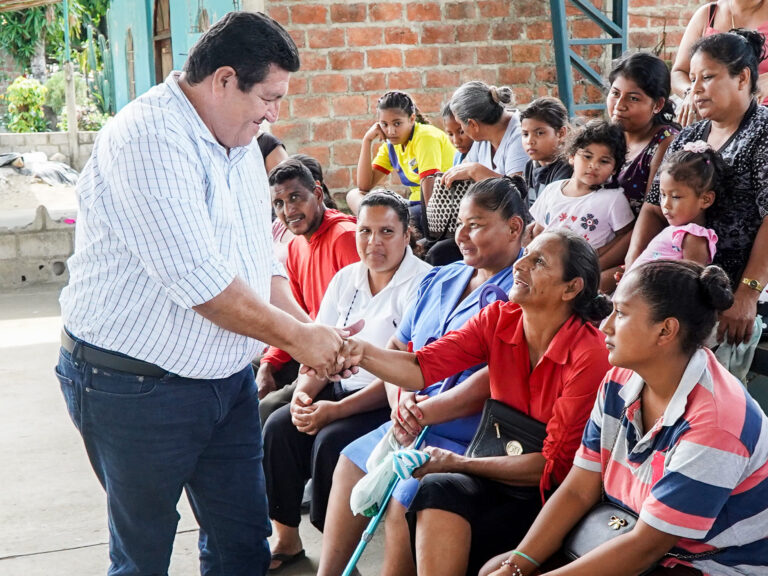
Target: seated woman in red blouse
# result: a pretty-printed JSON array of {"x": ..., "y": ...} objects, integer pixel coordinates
[{"x": 546, "y": 359}]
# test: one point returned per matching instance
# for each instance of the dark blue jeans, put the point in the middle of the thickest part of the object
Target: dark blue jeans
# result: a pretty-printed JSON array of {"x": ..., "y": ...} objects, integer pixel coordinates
[{"x": 148, "y": 438}]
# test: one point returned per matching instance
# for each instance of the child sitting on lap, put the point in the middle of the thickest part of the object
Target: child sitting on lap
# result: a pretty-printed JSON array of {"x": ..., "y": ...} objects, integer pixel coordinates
[{"x": 689, "y": 181}]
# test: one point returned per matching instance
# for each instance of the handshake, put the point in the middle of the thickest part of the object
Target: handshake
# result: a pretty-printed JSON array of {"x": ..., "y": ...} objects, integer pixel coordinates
[{"x": 328, "y": 353}]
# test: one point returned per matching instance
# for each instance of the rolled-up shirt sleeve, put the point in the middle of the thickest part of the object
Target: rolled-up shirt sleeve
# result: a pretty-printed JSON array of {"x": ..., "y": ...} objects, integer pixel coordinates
[{"x": 155, "y": 205}]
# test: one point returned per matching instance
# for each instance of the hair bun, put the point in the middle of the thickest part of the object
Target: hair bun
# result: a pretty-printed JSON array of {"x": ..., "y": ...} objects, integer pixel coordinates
[
  {"x": 755, "y": 40},
  {"x": 716, "y": 288},
  {"x": 598, "y": 308},
  {"x": 504, "y": 95}
]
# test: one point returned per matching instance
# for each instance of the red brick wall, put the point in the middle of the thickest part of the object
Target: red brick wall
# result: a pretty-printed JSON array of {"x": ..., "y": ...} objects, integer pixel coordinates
[{"x": 352, "y": 52}]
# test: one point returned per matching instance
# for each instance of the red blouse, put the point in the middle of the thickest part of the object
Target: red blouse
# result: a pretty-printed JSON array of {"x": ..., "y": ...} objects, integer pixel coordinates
[{"x": 559, "y": 391}]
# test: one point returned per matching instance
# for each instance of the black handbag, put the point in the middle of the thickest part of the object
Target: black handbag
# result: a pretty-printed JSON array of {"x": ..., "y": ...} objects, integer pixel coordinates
[
  {"x": 601, "y": 524},
  {"x": 506, "y": 431}
]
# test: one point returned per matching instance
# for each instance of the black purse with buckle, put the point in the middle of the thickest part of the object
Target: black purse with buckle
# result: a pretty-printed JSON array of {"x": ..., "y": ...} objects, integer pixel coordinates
[
  {"x": 504, "y": 431},
  {"x": 601, "y": 524}
]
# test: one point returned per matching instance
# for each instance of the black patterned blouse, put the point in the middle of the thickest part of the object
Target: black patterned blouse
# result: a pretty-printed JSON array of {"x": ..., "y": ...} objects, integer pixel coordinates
[{"x": 739, "y": 209}]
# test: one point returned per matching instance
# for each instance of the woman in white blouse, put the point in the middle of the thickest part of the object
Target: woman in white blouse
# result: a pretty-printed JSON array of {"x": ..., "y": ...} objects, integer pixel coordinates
[{"x": 304, "y": 439}]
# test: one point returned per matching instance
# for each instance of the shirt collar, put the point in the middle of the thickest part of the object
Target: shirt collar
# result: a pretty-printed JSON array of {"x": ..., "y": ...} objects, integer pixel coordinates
[
  {"x": 694, "y": 373},
  {"x": 201, "y": 130},
  {"x": 408, "y": 268},
  {"x": 558, "y": 349}
]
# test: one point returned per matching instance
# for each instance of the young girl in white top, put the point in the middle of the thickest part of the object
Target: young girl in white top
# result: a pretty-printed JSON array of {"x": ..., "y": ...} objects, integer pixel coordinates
[
  {"x": 590, "y": 202},
  {"x": 689, "y": 181}
]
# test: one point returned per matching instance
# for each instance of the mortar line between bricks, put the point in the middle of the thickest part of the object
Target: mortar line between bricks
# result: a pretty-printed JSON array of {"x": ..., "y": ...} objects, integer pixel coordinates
[{"x": 83, "y": 547}]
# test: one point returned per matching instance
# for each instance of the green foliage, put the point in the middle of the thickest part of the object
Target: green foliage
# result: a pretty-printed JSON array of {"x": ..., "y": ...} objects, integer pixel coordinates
[
  {"x": 89, "y": 117},
  {"x": 56, "y": 85},
  {"x": 25, "y": 98},
  {"x": 21, "y": 30},
  {"x": 100, "y": 72}
]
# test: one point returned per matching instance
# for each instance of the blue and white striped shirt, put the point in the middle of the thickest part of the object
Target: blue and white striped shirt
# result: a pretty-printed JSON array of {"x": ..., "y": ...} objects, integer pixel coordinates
[{"x": 167, "y": 219}]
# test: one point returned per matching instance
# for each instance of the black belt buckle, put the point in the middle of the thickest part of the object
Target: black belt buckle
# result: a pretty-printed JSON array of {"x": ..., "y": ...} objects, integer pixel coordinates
[{"x": 109, "y": 360}]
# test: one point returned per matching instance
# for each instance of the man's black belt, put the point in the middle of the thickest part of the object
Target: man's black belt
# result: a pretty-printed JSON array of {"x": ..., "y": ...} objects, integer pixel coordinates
[{"x": 101, "y": 358}]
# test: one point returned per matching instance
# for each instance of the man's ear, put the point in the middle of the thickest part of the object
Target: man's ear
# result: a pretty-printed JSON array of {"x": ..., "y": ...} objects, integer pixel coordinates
[
  {"x": 222, "y": 78},
  {"x": 318, "y": 192}
]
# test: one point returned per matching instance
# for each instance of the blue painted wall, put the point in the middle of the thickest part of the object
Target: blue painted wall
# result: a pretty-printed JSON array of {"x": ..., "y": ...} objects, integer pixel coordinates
[{"x": 137, "y": 15}]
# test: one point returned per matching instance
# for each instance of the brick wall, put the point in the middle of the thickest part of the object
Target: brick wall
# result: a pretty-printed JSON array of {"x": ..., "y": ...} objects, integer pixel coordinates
[
  {"x": 352, "y": 52},
  {"x": 9, "y": 70}
]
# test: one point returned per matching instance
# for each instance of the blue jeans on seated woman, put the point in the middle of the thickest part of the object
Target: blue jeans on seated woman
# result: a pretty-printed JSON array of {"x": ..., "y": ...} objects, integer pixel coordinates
[{"x": 149, "y": 438}]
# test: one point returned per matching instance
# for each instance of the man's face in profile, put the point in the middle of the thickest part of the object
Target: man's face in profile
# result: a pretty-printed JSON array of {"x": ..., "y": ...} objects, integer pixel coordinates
[{"x": 239, "y": 114}]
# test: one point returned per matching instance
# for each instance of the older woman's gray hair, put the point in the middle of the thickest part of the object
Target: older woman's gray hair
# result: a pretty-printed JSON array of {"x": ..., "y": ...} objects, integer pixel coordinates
[{"x": 479, "y": 102}]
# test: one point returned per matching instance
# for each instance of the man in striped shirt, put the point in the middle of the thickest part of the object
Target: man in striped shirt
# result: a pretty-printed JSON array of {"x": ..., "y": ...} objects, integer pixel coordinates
[{"x": 173, "y": 288}]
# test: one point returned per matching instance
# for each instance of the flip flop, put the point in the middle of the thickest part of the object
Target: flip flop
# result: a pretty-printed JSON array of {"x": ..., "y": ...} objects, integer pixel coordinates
[{"x": 286, "y": 560}]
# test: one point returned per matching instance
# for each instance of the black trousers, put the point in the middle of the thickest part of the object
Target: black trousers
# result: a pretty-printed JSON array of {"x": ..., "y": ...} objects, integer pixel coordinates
[
  {"x": 499, "y": 514},
  {"x": 292, "y": 457}
]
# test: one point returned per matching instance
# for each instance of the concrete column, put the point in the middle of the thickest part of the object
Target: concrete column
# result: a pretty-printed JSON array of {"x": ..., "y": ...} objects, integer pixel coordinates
[{"x": 69, "y": 76}]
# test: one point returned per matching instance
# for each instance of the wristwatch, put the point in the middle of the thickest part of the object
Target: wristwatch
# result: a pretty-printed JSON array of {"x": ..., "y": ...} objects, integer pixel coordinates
[{"x": 754, "y": 284}]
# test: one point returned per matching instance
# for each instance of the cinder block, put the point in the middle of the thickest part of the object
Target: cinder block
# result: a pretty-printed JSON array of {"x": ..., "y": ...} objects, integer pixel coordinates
[
  {"x": 7, "y": 246},
  {"x": 12, "y": 142},
  {"x": 58, "y": 138},
  {"x": 45, "y": 245},
  {"x": 86, "y": 137},
  {"x": 33, "y": 140}
]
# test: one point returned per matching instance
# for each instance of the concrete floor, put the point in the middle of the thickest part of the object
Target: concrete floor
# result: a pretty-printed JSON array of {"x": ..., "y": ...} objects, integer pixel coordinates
[{"x": 52, "y": 509}]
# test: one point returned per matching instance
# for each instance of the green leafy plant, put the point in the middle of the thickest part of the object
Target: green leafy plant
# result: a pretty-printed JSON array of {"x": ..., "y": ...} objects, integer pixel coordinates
[
  {"x": 56, "y": 97},
  {"x": 25, "y": 98},
  {"x": 20, "y": 32}
]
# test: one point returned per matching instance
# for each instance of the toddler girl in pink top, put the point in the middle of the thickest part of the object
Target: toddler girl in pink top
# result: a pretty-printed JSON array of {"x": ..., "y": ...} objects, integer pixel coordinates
[{"x": 689, "y": 179}]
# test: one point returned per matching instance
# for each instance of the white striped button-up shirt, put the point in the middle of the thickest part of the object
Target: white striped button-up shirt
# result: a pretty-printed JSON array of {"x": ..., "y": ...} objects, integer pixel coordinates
[{"x": 166, "y": 221}]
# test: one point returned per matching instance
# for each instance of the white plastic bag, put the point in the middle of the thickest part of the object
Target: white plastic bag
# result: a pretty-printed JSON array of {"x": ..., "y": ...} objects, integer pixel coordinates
[{"x": 369, "y": 492}]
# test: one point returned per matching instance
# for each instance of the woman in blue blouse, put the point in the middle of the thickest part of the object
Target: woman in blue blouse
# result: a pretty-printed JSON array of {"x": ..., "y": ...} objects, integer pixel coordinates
[{"x": 492, "y": 218}]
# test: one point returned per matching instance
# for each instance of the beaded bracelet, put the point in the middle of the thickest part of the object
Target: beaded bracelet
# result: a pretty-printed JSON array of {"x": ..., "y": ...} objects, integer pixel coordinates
[
  {"x": 524, "y": 555},
  {"x": 511, "y": 564}
]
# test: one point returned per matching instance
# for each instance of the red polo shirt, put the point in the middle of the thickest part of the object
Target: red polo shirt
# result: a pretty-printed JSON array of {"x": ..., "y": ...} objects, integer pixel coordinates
[
  {"x": 311, "y": 265},
  {"x": 559, "y": 391}
]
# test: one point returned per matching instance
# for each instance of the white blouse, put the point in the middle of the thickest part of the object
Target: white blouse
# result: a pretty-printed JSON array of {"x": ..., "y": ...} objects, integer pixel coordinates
[{"x": 348, "y": 298}]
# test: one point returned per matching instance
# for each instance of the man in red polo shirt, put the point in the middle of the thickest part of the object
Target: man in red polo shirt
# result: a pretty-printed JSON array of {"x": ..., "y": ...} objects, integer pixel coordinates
[{"x": 324, "y": 243}]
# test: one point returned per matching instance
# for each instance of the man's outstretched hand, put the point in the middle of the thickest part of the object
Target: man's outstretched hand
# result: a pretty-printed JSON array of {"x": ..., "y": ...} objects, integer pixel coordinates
[{"x": 345, "y": 357}]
